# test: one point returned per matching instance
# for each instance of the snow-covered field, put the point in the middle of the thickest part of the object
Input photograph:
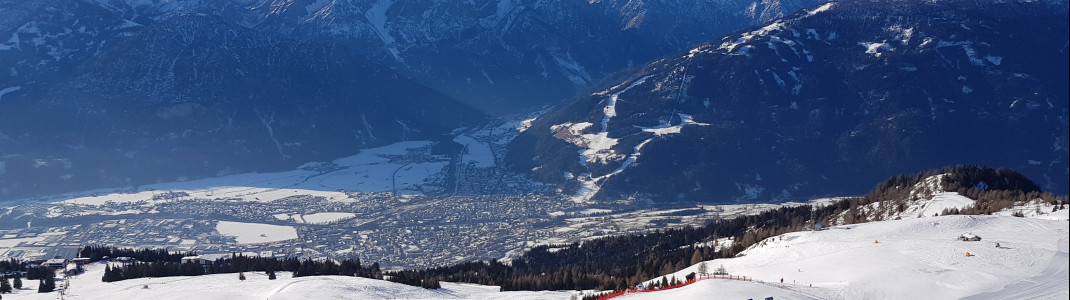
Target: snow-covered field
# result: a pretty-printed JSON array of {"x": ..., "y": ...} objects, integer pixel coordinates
[
  {"x": 475, "y": 152},
  {"x": 370, "y": 171},
  {"x": 902, "y": 259},
  {"x": 720, "y": 289},
  {"x": 256, "y": 233},
  {"x": 257, "y": 286},
  {"x": 316, "y": 218},
  {"x": 938, "y": 204}
]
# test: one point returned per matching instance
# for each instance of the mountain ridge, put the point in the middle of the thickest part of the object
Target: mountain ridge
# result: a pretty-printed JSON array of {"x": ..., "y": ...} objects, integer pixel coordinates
[{"x": 796, "y": 107}]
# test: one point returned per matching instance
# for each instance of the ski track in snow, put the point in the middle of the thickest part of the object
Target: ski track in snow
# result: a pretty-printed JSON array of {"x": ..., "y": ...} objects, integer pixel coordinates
[
  {"x": 8, "y": 90},
  {"x": 600, "y": 147},
  {"x": 1041, "y": 285},
  {"x": 376, "y": 15}
]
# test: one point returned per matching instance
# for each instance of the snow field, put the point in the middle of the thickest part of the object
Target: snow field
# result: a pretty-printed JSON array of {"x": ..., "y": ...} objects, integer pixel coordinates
[
  {"x": 939, "y": 202},
  {"x": 370, "y": 171},
  {"x": 256, "y": 286},
  {"x": 905, "y": 259},
  {"x": 316, "y": 218},
  {"x": 719, "y": 289},
  {"x": 476, "y": 152},
  {"x": 256, "y": 233}
]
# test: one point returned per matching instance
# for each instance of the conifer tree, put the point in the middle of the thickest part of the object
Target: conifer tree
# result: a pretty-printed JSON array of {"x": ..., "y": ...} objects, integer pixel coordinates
[
  {"x": 18, "y": 282},
  {"x": 107, "y": 274},
  {"x": 271, "y": 275},
  {"x": 47, "y": 284},
  {"x": 5, "y": 285},
  {"x": 241, "y": 276}
]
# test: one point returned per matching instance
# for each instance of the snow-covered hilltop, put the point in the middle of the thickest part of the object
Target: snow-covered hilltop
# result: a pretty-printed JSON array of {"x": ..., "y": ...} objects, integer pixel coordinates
[{"x": 901, "y": 259}]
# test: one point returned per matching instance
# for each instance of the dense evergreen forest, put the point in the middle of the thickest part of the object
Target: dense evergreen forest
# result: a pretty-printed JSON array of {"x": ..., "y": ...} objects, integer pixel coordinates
[
  {"x": 96, "y": 253},
  {"x": 616, "y": 263}
]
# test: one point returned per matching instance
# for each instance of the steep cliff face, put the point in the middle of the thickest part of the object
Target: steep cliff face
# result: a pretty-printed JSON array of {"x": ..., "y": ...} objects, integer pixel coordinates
[{"x": 832, "y": 97}]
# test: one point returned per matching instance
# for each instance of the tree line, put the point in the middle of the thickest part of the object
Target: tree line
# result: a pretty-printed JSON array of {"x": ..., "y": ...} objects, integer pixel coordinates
[
  {"x": 620, "y": 262},
  {"x": 96, "y": 253},
  {"x": 237, "y": 263}
]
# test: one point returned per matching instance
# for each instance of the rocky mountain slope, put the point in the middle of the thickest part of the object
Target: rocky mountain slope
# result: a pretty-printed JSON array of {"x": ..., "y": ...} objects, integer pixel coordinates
[{"x": 832, "y": 98}]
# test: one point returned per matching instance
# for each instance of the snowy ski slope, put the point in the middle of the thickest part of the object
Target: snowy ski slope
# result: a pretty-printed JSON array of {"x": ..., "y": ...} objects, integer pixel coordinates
[{"x": 901, "y": 259}]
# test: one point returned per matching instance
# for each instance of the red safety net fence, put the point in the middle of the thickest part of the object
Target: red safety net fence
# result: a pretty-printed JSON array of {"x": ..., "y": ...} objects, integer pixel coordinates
[{"x": 678, "y": 285}]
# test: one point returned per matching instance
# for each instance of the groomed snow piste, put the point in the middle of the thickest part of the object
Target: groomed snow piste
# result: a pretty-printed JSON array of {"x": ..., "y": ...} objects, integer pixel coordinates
[{"x": 903, "y": 259}]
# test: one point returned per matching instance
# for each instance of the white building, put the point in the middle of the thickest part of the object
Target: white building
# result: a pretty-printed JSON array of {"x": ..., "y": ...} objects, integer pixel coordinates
[
  {"x": 204, "y": 259},
  {"x": 56, "y": 263}
]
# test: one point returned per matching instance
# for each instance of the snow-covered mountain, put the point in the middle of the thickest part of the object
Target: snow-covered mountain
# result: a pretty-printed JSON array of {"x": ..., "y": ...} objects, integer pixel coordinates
[
  {"x": 506, "y": 54},
  {"x": 502, "y": 55},
  {"x": 41, "y": 39},
  {"x": 823, "y": 102},
  {"x": 98, "y": 93}
]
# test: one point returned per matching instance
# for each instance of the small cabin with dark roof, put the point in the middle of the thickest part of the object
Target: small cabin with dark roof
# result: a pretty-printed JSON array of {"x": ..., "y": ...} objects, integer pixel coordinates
[
  {"x": 55, "y": 263},
  {"x": 969, "y": 237}
]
